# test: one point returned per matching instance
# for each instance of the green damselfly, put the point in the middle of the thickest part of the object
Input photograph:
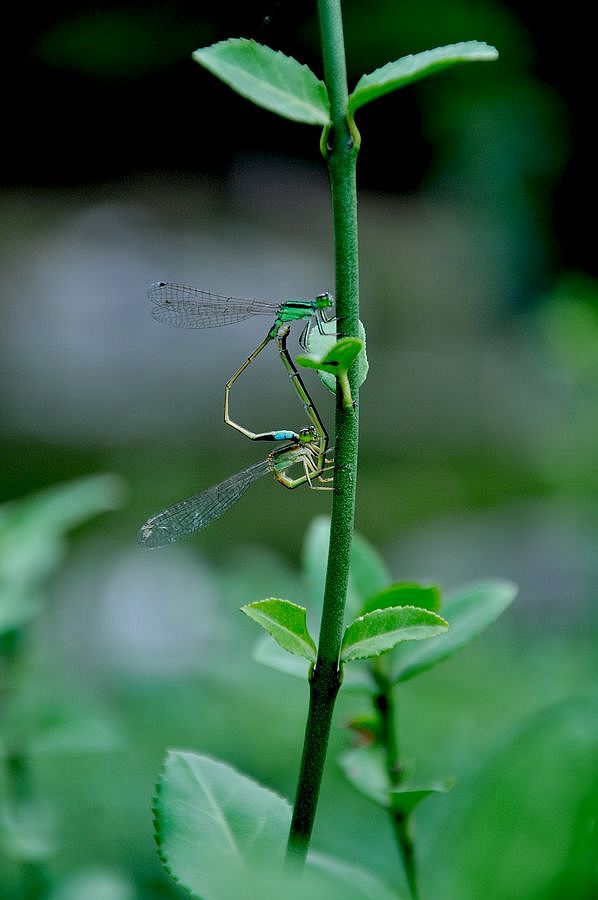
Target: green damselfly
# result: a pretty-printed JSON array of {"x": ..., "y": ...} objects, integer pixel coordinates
[
  {"x": 188, "y": 307},
  {"x": 194, "y": 513}
]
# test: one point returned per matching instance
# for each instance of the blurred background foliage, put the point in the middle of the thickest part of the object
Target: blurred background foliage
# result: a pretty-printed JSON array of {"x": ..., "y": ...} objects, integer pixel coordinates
[{"x": 125, "y": 163}]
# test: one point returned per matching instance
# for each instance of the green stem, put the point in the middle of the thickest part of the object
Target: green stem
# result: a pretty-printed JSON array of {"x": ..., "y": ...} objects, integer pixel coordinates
[
  {"x": 21, "y": 794},
  {"x": 402, "y": 829},
  {"x": 385, "y": 702},
  {"x": 341, "y": 158},
  {"x": 20, "y": 789}
]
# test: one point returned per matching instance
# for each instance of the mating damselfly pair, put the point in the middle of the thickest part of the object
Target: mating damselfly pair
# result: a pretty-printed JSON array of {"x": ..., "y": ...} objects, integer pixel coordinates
[{"x": 187, "y": 307}]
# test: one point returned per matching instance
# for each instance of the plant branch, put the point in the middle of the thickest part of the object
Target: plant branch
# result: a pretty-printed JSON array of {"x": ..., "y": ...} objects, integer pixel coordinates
[
  {"x": 341, "y": 157},
  {"x": 386, "y": 706},
  {"x": 19, "y": 787}
]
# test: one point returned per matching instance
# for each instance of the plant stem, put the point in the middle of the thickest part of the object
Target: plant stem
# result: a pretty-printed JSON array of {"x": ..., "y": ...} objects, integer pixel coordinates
[
  {"x": 386, "y": 707},
  {"x": 20, "y": 790},
  {"x": 341, "y": 158},
  {"x": 34, "y": 880}
]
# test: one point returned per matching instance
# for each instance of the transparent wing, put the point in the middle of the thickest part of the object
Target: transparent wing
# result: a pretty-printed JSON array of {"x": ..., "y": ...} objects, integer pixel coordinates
[
  {"x": 190, "y": 515},
  {"x": 187, "y": 307}
]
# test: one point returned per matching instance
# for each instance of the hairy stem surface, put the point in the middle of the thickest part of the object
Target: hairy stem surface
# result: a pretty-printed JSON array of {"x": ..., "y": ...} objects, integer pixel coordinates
[{"x": 341, "y": 158}]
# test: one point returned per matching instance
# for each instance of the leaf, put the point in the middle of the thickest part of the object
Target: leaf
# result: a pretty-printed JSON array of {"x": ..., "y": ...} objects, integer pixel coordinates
[
  {"x": 365, "y": 769},
  {"x": 469, "y": 611},
  {"x": 405, "y": 594},
  {"x": 222, "y": 835},
  {"x": 528, "y": 807},
  {"x": 412, "y": 68},
  {"x": 367, "y": 575},
  {"x": 286, "y": 622},
  {"x": 314, "y": 556},
  {"x": 381, "y": 630},
  {"x": 268, "y": 78},
  {"x": 267, "y": 653},
  {"x": 32, "y": 539},
  {"x": 337, "y": 362},
  {"x": 212, "y": 822},
  {"x": 358, "y": 884},
  {"x": 319, "y": 345},
  {"x": 407, "y": 795}
]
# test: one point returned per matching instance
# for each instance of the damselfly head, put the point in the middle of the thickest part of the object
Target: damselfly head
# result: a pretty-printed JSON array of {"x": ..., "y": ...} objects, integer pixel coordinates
[
  {"x": 324, "y": 300},
  {"x": 307, "y": 435}
]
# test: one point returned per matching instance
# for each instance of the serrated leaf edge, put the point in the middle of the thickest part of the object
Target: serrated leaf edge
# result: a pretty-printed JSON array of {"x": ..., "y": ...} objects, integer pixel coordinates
[
  {"x": 481, "y": 46},
  {"x": 441, "y": 621},
  {"x": 240, "y": 41},
  {"x": 157, "y": 795},
  {"x": 156, "y": 799}
]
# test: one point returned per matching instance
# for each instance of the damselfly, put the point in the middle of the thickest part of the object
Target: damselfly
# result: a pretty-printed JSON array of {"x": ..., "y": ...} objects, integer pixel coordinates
[{"x": 190, "y": 515}]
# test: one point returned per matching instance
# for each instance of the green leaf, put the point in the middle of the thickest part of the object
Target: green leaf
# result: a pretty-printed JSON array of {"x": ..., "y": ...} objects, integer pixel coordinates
[
  {"x": 469, "y": 611},
  {"x": 222, "y": 835},
  {"x": 368, "y": 573},
  {"x": 268, "y": 78},
  {"x": 381, "y": 630},
  {"x": 337, "y": 362},
  {"x": 405, "y": 594},
  {"x": 212, "y": 823},
  {"x": 412, "y": 68},
  {"x": 32, "y": 543},
  {"x": 267, "y": 653},
  {"x": 286, "y": 622},
  {"x": 338, "y": 359},
  {"x": 319, "y": 345},
  {"x": 528, "y": 807},
  {"x": 314, "y": 557},
  {"x": 365, "y": 769},
  {"x": 357, "y": 883},
  {"x": 406, "y": 796}
]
